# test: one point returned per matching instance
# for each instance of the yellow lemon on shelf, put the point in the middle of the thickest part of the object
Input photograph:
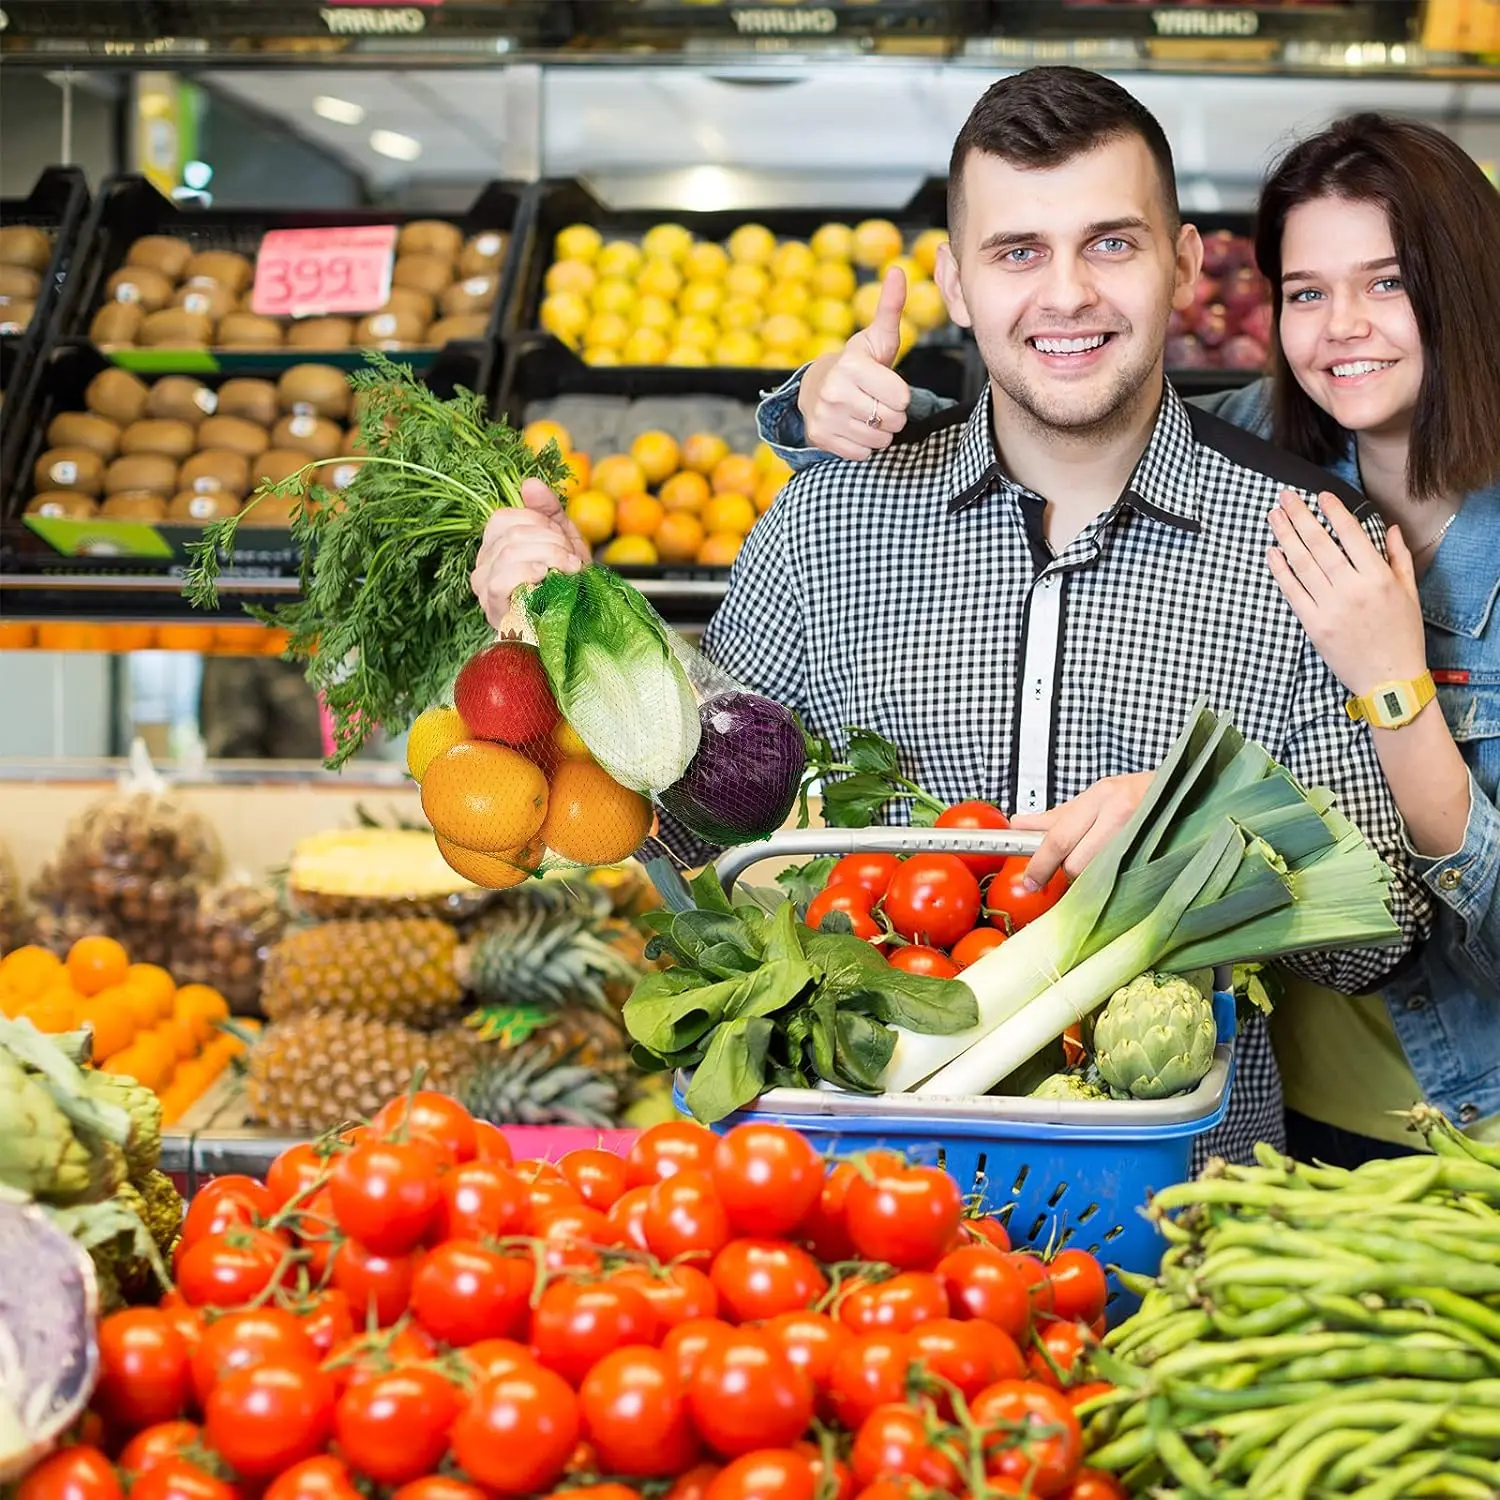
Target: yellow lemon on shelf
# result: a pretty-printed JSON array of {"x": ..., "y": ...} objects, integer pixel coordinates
[
  {"x": 606, "y": 331},
  {"x": 751, "y": 245},
  {"x": 667, "y": 242},
  {"x": 746, "y": 281},
  {"x": 575, "y": 276},
  {"x": 577, "y": 242},
  {"x": 738, "y": 347},
  {"x": 866, "y": 300},
  {"x": 831, "y": 315},
  {"x": 600, "y": 356},
  {"x": 788, "y": 297},
  {"x": 536, "y": 435},
  {"x": 630, "y": 552},
  {"x": 833, "y": 278},
  {"x": 701, "y": 298},
  {"x": 618, "y": 475},
  {"x": 925, "y": 306},
  {"x": 784, "y": 331},
  {"x": 685, "y": 354},
  {"x": 565, "y": 314},
  {"x": 730, "y": 512},
  {"x": 908, "y": 268},
  {"x": 740, "y": 313},
  {"x": 705, "y": 262},
  {"x": 819, "y": 345},
  {"x": 833, "y": 242},
  {"x": 645, "y": 346},
  {"x": 655, "y": 312},
  {"x": 876, "y": 241},
  {"x": 701, "y": 451},
  {"x": 593, "y": 513},
  {"x": 614, "y": 296},
  {"x": 696, "y": 333},
  {"x": 619, "y": 258},
  {"x": 659, "y": 278},
  {"x": 658, "y": 455},
  {"x": 792, "y": 260},
  {"x": 925, "y": 248}
]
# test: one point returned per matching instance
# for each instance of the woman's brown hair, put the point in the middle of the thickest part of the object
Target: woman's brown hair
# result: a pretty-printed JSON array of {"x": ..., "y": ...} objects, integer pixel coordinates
[{"x": 1445, "y": 221}]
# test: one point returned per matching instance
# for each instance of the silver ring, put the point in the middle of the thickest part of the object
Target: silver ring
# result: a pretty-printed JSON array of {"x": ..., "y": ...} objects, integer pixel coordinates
[{"x": 873, "y": 420}]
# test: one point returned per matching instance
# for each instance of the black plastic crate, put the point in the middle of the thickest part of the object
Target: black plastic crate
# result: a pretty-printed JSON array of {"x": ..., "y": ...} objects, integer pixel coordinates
[
  {"x": 1211, "y": 24},
  {"x": 107, "y": 545},
  {"x": 129, "y": 207},
  {"x": 58, "y": 204}
]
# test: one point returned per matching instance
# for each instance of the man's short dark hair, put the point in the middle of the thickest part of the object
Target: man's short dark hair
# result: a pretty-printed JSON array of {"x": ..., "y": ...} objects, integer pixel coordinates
[{"x": 1047, "y": 116}]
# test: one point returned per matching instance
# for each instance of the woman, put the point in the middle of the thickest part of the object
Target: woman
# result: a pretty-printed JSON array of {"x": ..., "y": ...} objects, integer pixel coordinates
[{"x": 1377, "y": 236}]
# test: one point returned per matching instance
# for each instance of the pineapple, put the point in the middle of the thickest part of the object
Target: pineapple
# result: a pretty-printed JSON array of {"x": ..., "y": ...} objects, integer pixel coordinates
[
  {"x": 402, "y": 970},
  {"x": 531, "y": 1085},
  {"x": 314, "y": 1073},
  {"x": 539, "y": 957},
  {"x": 378, "y": 872}
]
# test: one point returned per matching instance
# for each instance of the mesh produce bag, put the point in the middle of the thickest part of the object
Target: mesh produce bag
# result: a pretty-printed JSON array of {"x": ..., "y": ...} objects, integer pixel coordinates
[
  {"x": 234, "y": 928},
  {"x": 563, "y": 741}
]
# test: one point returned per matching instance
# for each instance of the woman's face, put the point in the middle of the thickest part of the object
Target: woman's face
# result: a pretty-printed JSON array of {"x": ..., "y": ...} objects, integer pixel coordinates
[{"x": 1347, "y": 326}]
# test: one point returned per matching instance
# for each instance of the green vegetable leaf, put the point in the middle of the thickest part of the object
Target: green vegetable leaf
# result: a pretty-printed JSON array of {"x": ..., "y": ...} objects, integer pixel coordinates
[
  {"x": 726, "y": 960},
  {"x": 823, "y": 1013},
  {"x": 939, "y": 1007},
  {"x": 871, "y": 752},
  {"x": 733, "y": 1070},
  {"x": 770, "y": 989},
  {"x": 854, "y": 801},
  {"x": 669, "y": 1011},
  {"x": 862, "y": 1048},
  {"x": 803, "y": 882},
  {"x": 846, "y": 961},
  {"x": 708, "y": 892},
  {"x": 782, "y": 941},
  {"x": 686, "y": 935}
]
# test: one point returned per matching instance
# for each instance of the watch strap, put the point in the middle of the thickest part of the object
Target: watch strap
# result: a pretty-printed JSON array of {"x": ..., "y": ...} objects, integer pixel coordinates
[{"x": 1368, "y": 706}]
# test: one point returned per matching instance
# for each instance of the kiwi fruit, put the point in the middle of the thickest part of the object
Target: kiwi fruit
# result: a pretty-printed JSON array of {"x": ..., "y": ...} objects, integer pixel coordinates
[
  {"x": 254, "y": 400},
  {"x": 241, "y": 330},
  {"x": 231, "y": 271},
  {"x": 197, "y": 509},
  {"x": 434, "y": 237},
  {"x": 276, "y": 464},
  {"x": 317, "y": 437},
  {"x": 142, "y": 285},
  {"x": 116, "y": 323},
  {"x": 389, "y": 330},
  {"x": 68, "y": 504},
  {"x": 483, "y": 255},
  {"x": 462, "y": 326},
  {"x": 182, "y": 399},
  {"x": 170, "y": 438},
  {"x": 72, "y": 468},
  {"x": 118, "y": 395},
  {"x": 18, "y": 283},
  {"x": 25, "y": 245},
  {"x": 162, "y": 253},
  {"x": 407, "y": 299},
  {"x": 81, "y": 429},
  {"x": 205, "y": 297},
  {"x": 151, "y": 473},
  {"x": 477, "y": 294},
  {"x": 234, "y": 433},
  {"x": 320, "y": 389},
  {"x": 424, "y": 273},
  {"x": 135, "y": 506},
  {"x": 320, "y": 333},
  {"x": 273, "y": 510},
  {"x": 175, "y": 328},
  {"x": 15, "y": 317},
  {"x": 215, "y": 471}
]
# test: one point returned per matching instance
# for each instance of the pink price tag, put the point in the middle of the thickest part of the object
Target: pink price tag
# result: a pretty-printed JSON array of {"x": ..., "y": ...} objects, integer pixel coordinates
[{"x": 299, "y": 272}]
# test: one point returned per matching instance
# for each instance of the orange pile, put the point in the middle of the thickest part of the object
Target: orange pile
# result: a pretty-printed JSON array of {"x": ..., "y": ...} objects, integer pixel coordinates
[
  {"x": 665, "y": 502},
  {"x": 206, "y": 640},
  {"x": 143, "y": 1024}
]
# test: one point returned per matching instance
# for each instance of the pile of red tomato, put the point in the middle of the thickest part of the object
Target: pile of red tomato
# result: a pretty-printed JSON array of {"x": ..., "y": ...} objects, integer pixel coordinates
[
  {"x": 937, "y": 913},
  {"x": 408, "y": 1312}
]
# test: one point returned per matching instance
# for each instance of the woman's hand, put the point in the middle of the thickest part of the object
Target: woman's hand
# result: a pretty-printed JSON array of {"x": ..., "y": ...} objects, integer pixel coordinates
[
  {"x": 1361, "y": 612},
  {"x": 522, "y": 545}
]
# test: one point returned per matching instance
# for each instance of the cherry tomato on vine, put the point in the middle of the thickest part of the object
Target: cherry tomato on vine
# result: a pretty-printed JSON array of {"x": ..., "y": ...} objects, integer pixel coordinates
[
  {"x": 826, "y": 1228},
  {"x": 967, "y": 1354},
  {"x": 636, "y": 1415},
  {"x": 255, "y": 1336},
  {"x": 894, "y": 1439},
  {"x": 988, "y": 1230},
  {"x": 1095, "y": 1484},
  {"x": 666, "y": 1149},
  {"x": 394, "y": 1428},
  {"x": 153, "y": 1445},
  {"x": 576, "y": 1324},
  {"x": 768, "y": 1178},
  {"x": 871, "y": 873},
  {"x": 517, "y": 1432},
  {"x": 431, "y": 1116},
  {"x": 145, "y": 1368},
  {"x": 266, "y": 1418},
  {"x": 1047, "y": 1452},
  {"x": 917, "y": 958},
  {"x": 906, "y": 1218},
  {"x": 322, "y": 1478},
  {"x": 684, "y": 1219},
  {"x": 232, "y": 1268},
  {"x": 1010, "y": 906},
  {"x": 599, "y": 1177},
  {"x": 870, "y": 1372},
  {"x": 230, "y": 1202},
  {"x": 491, "y": 1144},
  {"x": 767, "y": 1474},
  {"x": 896, "y": 1305},
  {"x": 462, "y": 1292},
  {"x": 986, "y": 1285},
  {"x": 374, "y": 1284},
  {"x": 933, "y": 899},
  {"x": 853, "y": 902},
  {"x": 481, "y": 1200},
  {"x": 491, "y": 1357},
  {"x": 628, "y": 1214},
  {"x": 1033, "y": 1271},
  {"x": 386, "y": 1193},
  {"x": 746, "y": 1394},
  {"x": 694, "y": 1484},
  {"x": 327, "y": 1320},
  {"x": 812, "y": 1340},
  {"x": 439, "y": 1487},
  {"x": 78, "y": 1473},
  {"x": 972, "y": 946},
  {"x": 759, "y": 1279},
  {"x": 1079, "y": 1288},
  {"x": 1061, "y": 1346},
  {"x": 677, "y": 1294},
  {"x": 976, "y": 815}
]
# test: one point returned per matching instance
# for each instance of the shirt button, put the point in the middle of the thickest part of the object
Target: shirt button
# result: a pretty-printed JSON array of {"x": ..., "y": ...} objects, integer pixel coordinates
[
  {"x": 1450, "y": 880},
  {"x": 1468, "y": 1113},
  {"x": 1417, "y": 1002}
]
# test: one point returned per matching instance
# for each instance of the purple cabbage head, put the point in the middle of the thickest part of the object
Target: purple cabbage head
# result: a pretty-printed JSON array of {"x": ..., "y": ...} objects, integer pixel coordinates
[{"x": 743, "y": 782}]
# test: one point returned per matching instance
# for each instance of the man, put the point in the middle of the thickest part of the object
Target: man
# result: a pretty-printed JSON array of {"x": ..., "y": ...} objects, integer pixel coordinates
[{"x": 1029, "y": 598}]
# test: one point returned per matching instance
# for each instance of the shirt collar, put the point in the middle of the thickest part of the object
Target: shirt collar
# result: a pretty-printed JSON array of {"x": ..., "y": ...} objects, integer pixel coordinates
[
  {"x": 1458, "y": 591},
  {"x": 1164, "y": 486}
]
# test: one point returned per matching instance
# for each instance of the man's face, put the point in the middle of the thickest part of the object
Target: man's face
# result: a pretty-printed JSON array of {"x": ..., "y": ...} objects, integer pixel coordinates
[{"x": 1068, "y": 276}]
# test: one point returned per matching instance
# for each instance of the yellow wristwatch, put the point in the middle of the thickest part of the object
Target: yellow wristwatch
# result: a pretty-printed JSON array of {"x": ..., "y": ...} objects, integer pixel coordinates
[{"x": 1392, "y": 704}]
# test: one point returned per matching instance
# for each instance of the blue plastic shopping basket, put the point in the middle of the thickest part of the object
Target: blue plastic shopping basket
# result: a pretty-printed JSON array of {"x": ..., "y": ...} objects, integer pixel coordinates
[{"x": 1058, "y": 1172}]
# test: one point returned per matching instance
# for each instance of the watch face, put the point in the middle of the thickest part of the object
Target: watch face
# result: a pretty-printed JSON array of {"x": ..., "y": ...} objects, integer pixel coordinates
[{"x": 1394, "y": 702}]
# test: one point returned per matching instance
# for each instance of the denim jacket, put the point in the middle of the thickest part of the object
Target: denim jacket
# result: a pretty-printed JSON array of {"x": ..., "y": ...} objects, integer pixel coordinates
[{"x": 1446, "y": 1007}]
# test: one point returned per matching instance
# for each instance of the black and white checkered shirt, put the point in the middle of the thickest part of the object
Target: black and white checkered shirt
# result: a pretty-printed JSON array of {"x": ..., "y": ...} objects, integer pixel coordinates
[{"x": 914, "y": 594}]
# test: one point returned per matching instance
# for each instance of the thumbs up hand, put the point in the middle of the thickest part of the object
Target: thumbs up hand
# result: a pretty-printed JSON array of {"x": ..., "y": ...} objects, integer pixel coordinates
[{"x": 854, "y": 403}]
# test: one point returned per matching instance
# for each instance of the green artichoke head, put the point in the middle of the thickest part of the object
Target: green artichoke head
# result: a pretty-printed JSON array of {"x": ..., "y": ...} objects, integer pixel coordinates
[
  {"x": 1068, "y": 1086},
  {"x": 1155, "y": 1037}
]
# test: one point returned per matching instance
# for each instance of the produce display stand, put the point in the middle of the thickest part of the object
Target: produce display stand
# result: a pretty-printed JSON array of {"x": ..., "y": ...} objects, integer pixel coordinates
[{"x": 57, "y": 203}]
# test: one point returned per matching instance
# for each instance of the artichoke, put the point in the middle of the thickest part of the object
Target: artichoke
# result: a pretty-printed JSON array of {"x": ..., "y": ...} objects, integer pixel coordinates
[
  {"x": 143, "y": 1145},
  {"x": 39, "y": 1153},
  {"x": 1068, "y": 1086},
  {"x": 162, "y": 1215},
  {"x": 1155, "y": 1037}
]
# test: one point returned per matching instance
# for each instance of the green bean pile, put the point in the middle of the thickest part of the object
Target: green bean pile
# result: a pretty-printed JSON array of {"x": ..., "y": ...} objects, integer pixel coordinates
[{"x": 1315, "y": 1332}]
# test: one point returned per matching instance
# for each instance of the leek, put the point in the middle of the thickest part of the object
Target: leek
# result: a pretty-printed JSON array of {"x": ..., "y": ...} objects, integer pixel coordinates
[{"x": 1303, "y": 878}]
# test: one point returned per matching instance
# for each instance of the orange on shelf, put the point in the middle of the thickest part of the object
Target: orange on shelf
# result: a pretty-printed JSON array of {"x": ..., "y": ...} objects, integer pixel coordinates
[
  {"x": 275, "y": 642},
  {"x": 181, "y": 1035},
  {"x": 30, "y": 969},
  {"x": 203, "y": 1006},
  {"x": 97, "y": 963},
  {"x": 735, "y": 475},
  {"x": 16, "y": 637},
  {"x": 679, "y": 536},
  {"x": 139, "y": 1003},
  {"x": 238, "y": 640},
  {"x": 142, "y": 1060},
  {"x": 70, "y": 637},
  {"x": 719, "y": 549},
  {"x": 129, "y": 637},
  {"x": 113, "y": 1025},
  {"x": 687, "y": 490},
  {"x": 155, "y": 981},
  {"x": 51, "y": 1014},
  {"x": 638, "y": 515},
  {"x": 185, "y": 637},
  {"x": 12, "y": 1002}
]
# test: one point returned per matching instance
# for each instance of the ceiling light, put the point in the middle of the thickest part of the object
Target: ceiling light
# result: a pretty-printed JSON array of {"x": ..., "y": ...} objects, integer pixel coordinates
[
  {"x": 393, "y": 143},
  {"x": 340, "y": 111}
]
